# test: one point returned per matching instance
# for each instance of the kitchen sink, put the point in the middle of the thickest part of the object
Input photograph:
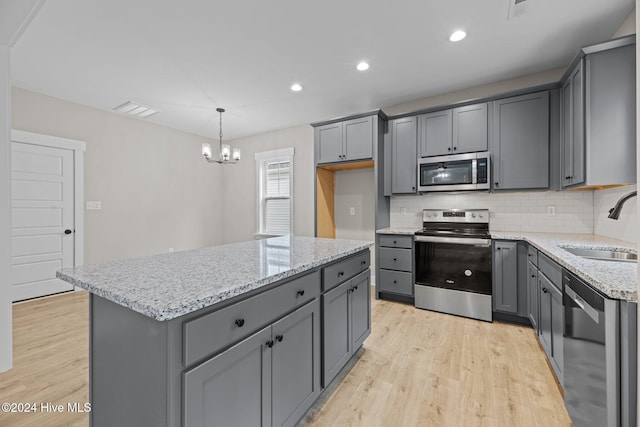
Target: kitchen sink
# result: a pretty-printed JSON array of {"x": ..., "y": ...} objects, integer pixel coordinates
[{"x": 603, "y": 254}]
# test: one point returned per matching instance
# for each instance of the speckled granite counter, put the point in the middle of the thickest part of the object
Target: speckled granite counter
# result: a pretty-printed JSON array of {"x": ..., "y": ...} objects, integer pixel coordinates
[
  {"x": 615, "y": 279},
  {"x": 409, "y": 231},
  {"x": 167, "y": 286}
]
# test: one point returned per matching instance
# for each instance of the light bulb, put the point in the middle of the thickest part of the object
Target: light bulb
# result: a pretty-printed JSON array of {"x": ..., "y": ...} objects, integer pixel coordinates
[
  {"x": 236, "y": 154},
  {"x": 206, "y": 150},
  {"x": 225, "y": 152}
]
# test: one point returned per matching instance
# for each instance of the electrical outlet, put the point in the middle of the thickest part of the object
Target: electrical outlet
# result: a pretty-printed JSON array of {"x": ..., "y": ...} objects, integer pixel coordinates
[
  {"x": 551, "y": 210},
  {"x": 352, "y": 211},
  {"x": 94, "y": 206}
]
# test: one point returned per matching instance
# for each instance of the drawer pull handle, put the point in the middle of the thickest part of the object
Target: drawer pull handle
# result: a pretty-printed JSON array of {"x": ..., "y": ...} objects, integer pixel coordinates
[
  {"x": 340, "y": 273},
  {"x": 363, "y": 263},
  {"x": 279, "y": 338},
  {"x": 395, "y": 259},
  {"x": 395, "y": 242},
  {"x": 545, "y": 290},
  {"x": 240, "y": 323},
  {"x": 354, "y": 288},
  {"x": 270, "y": 343},
  {"x": 300, "y": 293}
]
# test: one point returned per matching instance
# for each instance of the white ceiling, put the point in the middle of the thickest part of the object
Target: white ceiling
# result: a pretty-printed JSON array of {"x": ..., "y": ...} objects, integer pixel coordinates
[{"x": 188, "y": 57}]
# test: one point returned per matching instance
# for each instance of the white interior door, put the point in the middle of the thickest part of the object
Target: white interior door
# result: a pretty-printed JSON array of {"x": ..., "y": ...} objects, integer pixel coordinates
[{"x": 42, "y": 186}]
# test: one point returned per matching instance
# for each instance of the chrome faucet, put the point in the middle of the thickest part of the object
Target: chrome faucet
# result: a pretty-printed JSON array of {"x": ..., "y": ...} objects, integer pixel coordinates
[{"x": 614, "y": 212}]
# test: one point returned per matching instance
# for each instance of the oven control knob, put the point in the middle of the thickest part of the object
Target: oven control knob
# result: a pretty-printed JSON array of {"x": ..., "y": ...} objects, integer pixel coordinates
[
  {"x": 429, "y": 214},
  {"x": 473, "y": 215}
]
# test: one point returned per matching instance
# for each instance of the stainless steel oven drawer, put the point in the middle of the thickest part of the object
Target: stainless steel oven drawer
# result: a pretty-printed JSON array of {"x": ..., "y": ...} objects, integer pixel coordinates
[
  {"x": 405, "y": 242},
  {"x": 397, "y": 282},
  {"x": 396, "y": 259}
]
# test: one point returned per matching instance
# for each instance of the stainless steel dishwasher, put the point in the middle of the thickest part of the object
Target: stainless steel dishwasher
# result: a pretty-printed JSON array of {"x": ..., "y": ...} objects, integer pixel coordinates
[{"x": 591, "y": 355}]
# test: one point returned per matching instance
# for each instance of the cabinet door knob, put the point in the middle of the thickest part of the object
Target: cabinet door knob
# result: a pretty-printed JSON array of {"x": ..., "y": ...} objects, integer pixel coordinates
[
  {"x": 67, "y": 231},
  {"x": 240, "y": 323},
  {"x": 455, "y": 148},
  {"x": 355, "y": 287},
  {"x": 496, "y": 184},
  {"x": 394, "y": 242},
  {"x": 300, "y": 293},
  {"x": 395, "y": 259},
  {"x": 413, "y": 188},
  {"x": 279, "y": 338},
  {"x": 395, "y": 281},
  {"x": 269, "y": 343},
  {"x": 567, "y": 178},
  {"x": 533, "y": 276},
  {"x": 545, "y": 290},
  {"x": 498, "y": 249},
  {"x": 340, "y": 273},
  {"x": 449, "y": 149}
]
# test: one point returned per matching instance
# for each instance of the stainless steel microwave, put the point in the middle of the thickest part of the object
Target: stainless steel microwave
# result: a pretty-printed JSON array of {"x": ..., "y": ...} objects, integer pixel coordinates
[{"x": 457, "y": 172}]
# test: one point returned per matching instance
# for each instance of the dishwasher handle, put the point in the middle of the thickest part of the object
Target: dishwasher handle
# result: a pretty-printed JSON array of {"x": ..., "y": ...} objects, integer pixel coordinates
[{"x": 584, "y": 306}]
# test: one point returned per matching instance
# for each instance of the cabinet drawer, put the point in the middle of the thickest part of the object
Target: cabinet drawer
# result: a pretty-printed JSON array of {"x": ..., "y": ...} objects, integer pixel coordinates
[
  {"x": 532, "y": 255},
  {"x": 405, "y": 242},
  {"x": 337, "y": 273},
  {"x": 398, "y": 282},
  {"x": 550, "y": 269},
  {"x": 212, "y": 332},
  {"x": 395, "y": 259}
]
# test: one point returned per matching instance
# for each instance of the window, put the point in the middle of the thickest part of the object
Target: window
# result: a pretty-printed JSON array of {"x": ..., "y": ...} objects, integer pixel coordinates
[{"x": 275, "y": 192}]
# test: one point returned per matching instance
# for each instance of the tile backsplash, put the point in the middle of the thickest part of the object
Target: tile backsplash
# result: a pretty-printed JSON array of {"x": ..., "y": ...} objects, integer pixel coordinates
[{"x": 575, "y": 211}]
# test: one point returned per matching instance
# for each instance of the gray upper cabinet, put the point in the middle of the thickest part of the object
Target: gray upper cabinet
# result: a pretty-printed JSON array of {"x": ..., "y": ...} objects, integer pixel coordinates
[
  {"x": 520, "y": 142},
  {"x": 329, "y": 143},
  {"x": 435, "y": 133},
  {"x": 470, "y": 128},
  {"x": 345, "y": 141},
  {"x": 404, "y": 166},
  {"x": 599, "y": 117},
  {"x": 573, "y": 161},
  {"x": 453, "y": 131}
]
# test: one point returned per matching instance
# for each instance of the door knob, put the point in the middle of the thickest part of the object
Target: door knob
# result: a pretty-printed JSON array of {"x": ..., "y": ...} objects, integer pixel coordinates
[{"x": 67, "y": 231}]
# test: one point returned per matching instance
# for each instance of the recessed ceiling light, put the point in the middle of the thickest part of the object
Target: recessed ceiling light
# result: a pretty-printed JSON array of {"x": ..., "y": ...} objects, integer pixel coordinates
[
  {"x": 362, "y": 66},
  {"x": 457, "y": 36},
  {"x": 296, "y": 87},
  {"x": 137, "y": 110}
]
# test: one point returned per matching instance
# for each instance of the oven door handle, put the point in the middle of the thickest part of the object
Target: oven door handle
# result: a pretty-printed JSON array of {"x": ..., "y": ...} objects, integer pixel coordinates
[{"x": 454, "y": 240}]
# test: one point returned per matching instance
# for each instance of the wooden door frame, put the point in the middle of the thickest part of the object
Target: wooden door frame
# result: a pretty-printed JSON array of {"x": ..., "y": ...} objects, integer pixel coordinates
[{"x": 78, "y": 148}]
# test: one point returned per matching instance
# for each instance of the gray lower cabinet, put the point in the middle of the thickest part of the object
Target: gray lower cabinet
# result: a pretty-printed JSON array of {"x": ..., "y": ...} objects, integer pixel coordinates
[
  {"x": 346, "y": 323},
  {"x": 404, "y": 166},
  {"x": 552, "y": 323},
  {"x": 520, "y": 142},
  {"x": 395, "y": 272},
  {"x": 533, "y": 296},
  {"x": 271, "y": 378}
]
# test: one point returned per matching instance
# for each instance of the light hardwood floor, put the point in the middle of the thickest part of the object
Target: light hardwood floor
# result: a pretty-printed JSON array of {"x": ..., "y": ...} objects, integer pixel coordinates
[{"x": 418, "y": 368}]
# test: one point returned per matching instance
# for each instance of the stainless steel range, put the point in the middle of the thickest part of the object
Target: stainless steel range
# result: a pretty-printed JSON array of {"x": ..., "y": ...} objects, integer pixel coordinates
[{"x": 453, "y": 263}]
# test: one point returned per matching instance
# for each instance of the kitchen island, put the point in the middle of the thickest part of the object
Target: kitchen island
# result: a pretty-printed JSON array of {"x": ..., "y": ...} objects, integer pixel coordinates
[{"x": 225, "y": 335}]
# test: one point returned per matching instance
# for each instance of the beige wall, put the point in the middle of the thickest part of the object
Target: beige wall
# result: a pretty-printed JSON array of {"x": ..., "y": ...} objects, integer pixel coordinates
[
  {"x": 627, "y": 27},
  {"x": 239, "y": 193},
  {"x": 156, "y": 190}
]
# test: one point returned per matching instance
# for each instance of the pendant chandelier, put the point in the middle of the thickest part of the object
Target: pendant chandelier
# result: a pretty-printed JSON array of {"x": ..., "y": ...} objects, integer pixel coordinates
[{"x": 226, "y": 154}]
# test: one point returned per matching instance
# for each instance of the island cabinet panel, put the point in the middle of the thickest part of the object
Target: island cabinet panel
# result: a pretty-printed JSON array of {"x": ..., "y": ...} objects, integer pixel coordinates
[
  {"x": 337, "y": 273},
  {"x": 346, "y": 323},
  {"x": 212, "y": 332},
  {"x": 233, "y": 388}
]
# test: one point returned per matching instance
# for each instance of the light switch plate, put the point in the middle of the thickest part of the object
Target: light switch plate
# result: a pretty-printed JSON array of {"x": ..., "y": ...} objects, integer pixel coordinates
[
  {"x": 94, "y": 206},
  {"x": 352, "y": 211},
  {"x": 551, "y": 210}
]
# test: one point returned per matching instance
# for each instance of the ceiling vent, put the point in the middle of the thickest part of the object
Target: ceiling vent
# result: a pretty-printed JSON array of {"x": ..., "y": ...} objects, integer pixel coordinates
[
  {"x": 518, "y": 8},
  {"x": 135, "y": 109}
]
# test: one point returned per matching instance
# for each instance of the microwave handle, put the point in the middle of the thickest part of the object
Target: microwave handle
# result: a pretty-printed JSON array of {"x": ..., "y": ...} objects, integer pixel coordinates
[{"x": 474, "y": 171}]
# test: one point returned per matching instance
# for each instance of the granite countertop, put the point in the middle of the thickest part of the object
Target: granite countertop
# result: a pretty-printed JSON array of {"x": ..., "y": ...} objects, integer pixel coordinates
[
  {"x": 171, "y": 285},
  {"x": 409, "y": 231},
  {"x": 614, "y": 279}
]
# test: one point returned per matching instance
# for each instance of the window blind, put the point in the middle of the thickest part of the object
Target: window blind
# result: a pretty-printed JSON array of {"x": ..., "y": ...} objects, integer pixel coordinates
[{"x": 277, "y": 198}]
